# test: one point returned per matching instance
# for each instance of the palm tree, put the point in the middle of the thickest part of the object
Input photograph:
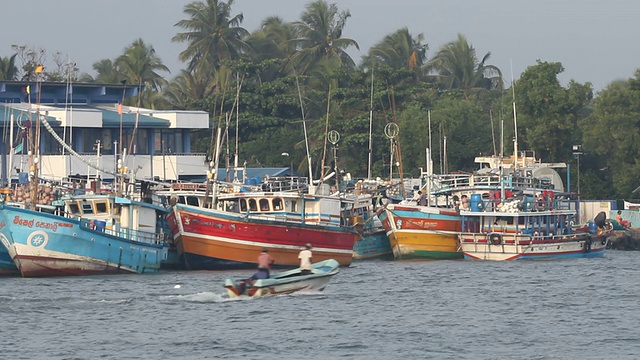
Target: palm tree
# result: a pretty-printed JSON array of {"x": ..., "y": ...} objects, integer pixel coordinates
[
  {"x": 140, "y": 64},
  {"x": 213, "y": 35},
  {"x": 107, "y": 71},
  {"x": 8, "y": 68},
  {"x": 274, "y": 41},
  {"x": 399, "y": 50},
  {"x": 186, "y": 87},
  {"x": 458, "y": 68},
  {"x": 319, "y": 36}
]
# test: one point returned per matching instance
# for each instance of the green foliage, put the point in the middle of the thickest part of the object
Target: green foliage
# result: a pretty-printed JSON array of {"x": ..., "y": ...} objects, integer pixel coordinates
[
  {"x": 612, "y": 134},
  {"x": 262, "y": 85},
  {"x": 547, "y": 113}
]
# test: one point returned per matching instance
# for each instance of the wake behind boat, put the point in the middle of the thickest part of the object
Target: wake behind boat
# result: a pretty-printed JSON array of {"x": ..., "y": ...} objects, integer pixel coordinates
[{"x": 285, "y": 282}]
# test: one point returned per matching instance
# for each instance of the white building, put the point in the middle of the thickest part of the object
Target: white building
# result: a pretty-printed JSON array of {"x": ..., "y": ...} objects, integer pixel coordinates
[{"x": 86, "y": 117}]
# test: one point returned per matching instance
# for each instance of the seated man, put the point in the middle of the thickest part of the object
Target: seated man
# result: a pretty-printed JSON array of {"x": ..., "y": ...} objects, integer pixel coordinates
[{"x": 624, "y": 223}]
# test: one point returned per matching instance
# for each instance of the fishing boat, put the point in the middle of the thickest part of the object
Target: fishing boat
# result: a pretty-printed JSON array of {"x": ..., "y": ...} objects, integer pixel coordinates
[
  {"x": 430, "y": 231},
  {"x": 285, "y": 282},
  {"x": 421, "y": 232},
  {"x": 7, "y": 266},
  {"x": 372, "y": 241},
  {"x": 85, "y": 235},
  {"x": 231, "y": 233},
  {"x": 518, "y": 229}
]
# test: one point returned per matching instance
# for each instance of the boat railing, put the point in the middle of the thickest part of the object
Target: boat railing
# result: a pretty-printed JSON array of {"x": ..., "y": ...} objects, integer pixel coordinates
[
  {"x": 325, "y": 220},
  {"x": 451, "y": 182},
  {"x": 128, "y": 234},
  {"x": 521, "y": 203},
  {"x": 509, "y": 239}
]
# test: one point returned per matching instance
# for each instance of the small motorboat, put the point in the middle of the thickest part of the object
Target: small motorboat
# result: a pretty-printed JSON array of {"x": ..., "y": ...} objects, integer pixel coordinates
[{"x": 285, "y": 282}]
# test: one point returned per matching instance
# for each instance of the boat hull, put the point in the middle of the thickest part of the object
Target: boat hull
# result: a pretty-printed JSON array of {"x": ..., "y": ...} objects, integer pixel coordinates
[
  {"x": 286, "y": 282},
  {"x": 373, "y": 245},
  {"x": 213, "y": 240},
  {"x": 42, "y": 244},
  {"x": 417, "y": 232},
  {"x": 479, "y": 248},
  {"x": 7, "y": 267}
]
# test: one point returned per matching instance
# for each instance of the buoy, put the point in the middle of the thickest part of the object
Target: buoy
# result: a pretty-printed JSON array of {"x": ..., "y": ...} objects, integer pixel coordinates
[{"x": 177, "y": 286}]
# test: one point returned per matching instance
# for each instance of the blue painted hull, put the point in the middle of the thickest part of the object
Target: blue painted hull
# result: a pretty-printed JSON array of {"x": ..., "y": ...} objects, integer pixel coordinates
[
  {"x": 7, "y": 267},
  {"x": 373, "y": 245},
  {"x": 43, "y": 244}
]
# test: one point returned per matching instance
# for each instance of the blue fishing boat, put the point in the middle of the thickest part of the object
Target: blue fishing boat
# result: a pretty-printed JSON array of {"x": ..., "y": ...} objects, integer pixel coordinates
[
  {"x": 285, "y": 282},
  {"x": 7, "y": 267},
  {"x": 85, "y": 235}
]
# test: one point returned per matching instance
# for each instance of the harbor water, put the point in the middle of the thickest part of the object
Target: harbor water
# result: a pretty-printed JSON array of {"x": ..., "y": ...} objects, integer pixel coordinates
[{"x": 454, "y": 309}]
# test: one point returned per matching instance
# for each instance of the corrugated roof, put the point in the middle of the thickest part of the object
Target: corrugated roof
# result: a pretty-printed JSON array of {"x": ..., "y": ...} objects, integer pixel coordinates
[
  {"x": 20, "y": 116},
  {"x": 256, "y": 172}
]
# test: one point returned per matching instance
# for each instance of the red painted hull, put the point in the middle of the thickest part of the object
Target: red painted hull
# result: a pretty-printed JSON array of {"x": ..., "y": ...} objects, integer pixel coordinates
[{"x": 210, "y": 240}]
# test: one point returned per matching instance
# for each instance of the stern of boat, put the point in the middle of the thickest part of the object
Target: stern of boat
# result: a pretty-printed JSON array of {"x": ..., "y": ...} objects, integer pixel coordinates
[{"x": 235, "y": 288}]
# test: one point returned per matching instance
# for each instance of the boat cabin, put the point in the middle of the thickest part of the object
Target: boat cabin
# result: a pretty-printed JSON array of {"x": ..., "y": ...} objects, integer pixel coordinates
[{"x": 118, "y": 216}]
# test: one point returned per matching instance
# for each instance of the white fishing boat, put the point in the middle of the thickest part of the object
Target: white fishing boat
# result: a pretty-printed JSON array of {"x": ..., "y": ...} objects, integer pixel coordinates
[
  {"x": 520, "y": 229},
  {"x": 285, "y": 282}
]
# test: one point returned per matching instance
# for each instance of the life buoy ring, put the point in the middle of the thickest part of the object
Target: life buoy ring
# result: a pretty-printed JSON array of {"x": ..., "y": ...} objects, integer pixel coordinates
[
  {"x": 587, "y": 244},
  {"x": 495, "y": 239}
]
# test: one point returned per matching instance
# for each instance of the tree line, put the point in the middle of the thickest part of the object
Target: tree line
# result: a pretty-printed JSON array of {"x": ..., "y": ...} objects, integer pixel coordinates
[{"x": 267, "y": 87}]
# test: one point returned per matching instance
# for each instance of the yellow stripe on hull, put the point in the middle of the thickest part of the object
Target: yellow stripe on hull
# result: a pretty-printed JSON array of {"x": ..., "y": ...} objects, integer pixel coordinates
[{"x": 424, "y": 245}]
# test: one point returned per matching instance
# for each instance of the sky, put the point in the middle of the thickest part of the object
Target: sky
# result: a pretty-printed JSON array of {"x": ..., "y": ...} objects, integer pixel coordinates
[{"x": 596, "y": 41}]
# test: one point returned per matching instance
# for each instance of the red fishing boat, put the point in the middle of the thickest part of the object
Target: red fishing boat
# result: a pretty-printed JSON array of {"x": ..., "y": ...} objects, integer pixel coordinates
[{"x": 231, "y": 233}]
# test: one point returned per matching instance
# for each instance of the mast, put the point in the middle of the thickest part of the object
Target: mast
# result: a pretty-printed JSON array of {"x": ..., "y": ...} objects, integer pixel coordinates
[
  {"x": 35, "y": 153},
  {"x": 306, "y": 139},
  {"x": 515, "y": 122},
  {"x": 11, "y": 151},
  {"x": 326, "y": 135},
  {"x": 370, "y": 128}
]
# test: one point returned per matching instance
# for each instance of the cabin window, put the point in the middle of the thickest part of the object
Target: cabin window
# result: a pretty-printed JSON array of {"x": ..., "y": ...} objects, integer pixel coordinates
[
  {"x": 292, "y": 205},
  {"x": 231, "y": 206},
  {"x": 102, "y": 207},
  {"x": 87, "y": 207},
  {"x": 243, "y": 205},
  {"x": 74, "y": 209},
  {"x": 264, "y": 205},
  {"x": 181, "y": 200},
  {"x": 277, "y": 204},
  {"x": 253, "y": 205},
  {"x": 192, "y": 200}
]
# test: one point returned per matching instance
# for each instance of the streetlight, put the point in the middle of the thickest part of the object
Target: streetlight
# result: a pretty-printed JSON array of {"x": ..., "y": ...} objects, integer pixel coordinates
[
  {"x": 290, "y": 166},
  {"x": 577, "y": 151}
]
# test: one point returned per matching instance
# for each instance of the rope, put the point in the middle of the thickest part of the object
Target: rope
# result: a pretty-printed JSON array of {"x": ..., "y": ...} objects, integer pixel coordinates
[{"x": 71, "y": 151}]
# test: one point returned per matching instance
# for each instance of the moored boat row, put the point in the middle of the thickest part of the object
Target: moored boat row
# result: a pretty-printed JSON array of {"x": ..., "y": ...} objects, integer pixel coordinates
[{"x": 226, "y": 229}]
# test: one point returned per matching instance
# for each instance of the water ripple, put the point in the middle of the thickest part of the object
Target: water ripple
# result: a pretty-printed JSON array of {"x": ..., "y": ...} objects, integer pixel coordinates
[{"x": 569, "y": 309}]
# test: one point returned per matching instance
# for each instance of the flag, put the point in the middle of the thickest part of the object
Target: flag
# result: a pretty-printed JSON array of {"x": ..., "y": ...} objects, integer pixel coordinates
[
  {"x": 18, "y": 149},
  {"x": 39, "y": 69},
  {"x": 120, "y": 109}
]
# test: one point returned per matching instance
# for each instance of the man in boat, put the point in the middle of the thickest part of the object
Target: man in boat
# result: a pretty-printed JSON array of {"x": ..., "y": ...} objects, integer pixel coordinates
[
  {"x": 305, "y": 260},
  {"x": 623, "y": 223},
  {"x": 264, "y": 265},
  {"x": 422, "y": 198}
]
